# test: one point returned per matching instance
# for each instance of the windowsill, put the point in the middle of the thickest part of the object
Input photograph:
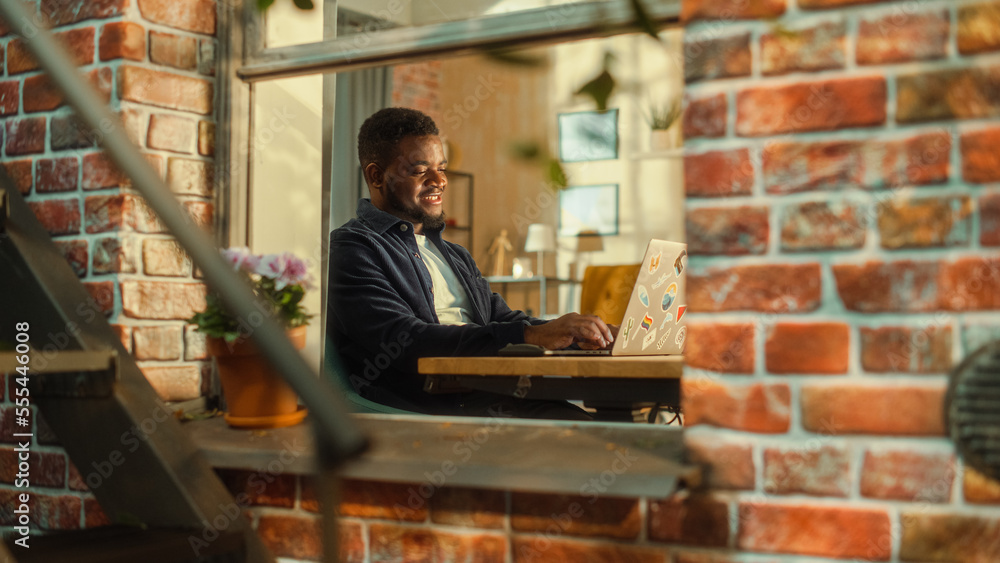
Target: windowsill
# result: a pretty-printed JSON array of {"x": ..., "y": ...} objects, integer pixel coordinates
[{"x": 616, "y": 459}]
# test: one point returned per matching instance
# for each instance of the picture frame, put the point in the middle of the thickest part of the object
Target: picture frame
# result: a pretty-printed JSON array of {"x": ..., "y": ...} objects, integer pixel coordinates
[
  {"x": 588, "y": 210},
  {"x": 588, "y": 135}
]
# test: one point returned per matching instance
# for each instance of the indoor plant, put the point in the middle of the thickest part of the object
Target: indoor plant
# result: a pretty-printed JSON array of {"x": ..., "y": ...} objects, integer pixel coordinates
[
  {"x": 664, "y": 134},
  {"x": 257, "y": 396}
]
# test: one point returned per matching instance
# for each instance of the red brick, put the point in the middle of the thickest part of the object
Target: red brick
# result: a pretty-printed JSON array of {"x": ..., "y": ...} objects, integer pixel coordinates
[
  {"x": 194, "y": 345},
  {"x": 752, "y": 408},
  {"x": 954, "y": 93},
  {"x": 903, "y": 36},
  {"x": 191, "y": 177},
  {"x": 825, "y": 4},
  {"x": 970, "y": 284},
  {"x": 889, "y": 410},
  {"x": 393, "y": 501},
  {"x": 120, "y": 213},
  {"x": 124, "y": 333},
  {"x": 822, "y": 225},
  {"x": 826, "y": 531},
  {"x": 471, "y": 508},
  {"x": 725, "y": 464},
  {"x": 978, "y": 488},
  {"x": 718, "y": 173},
  {"x": 908, "y": 475},
  {"x": 880, "y": 163},
  {"x": 56, "y": 174},
  {"x": 206, "y": 138},
  {"x": 67, "y": 132},
  {"x": 874, "y": 287},
  {"x": 727, "y": 230},
  {"x": 10, "y": 92},
  {"x": 705, "y": 117},
  {"x": 93, "y": 514},
  {"x": 20, "y": 173},
  {"x": 726, "y": 348},
  {"x": 693, "y": 520},
  {"x": 190, "y": 15},
  {"x": 100, "y": 172},
  {"x": 116, "y": 255},
  {"x": 40, "y": 94},
  {"x": 926, "y": 222},
  {"x": 949, "y": 537},
  {"x": 162, "y": 300},
  {"x": 62, "y": 12},
  {"x": 202, "y": 213},
  {"x": 807, "y": 348},
  {"x": 585, "y": 515},
  {"x": 102, "y": 296},
  {"x": 122, "y": 40},
  {"x": 174, "y": 382},
  {"x": 25, "y": 136},
  {"x": 256, "y": 488},
  {"x": 810, "y": 49},
  {"x": 727, "y": 10},
  {"x": 80, "y": 43},
  {"x": 702, "y": 557},
  {"x": 58, "y": 216},
  {"x": 714, "y": 58},
  {"x": 160, "y": 343},
  {"x": 980, "y": 162},
  {"x": 165, "y": 258},
  {"x": 900, "y": 349},
  {"x": 811, "y": 106},
  {"x": 50, "y": 512},
  {"x": 978, "y": 28},
  {"x": 45, "y": 469},
  {"x": 389, "y": 542},
  {"x": 75, "y": 253},
  {"x": 778, "y": 288},
  {"x": 295, "y": 537},
  {"x": 177, "y": 51},
  {"x": 528, "y": 549},
  {"x": 172, "y": 133},
  {"x": 989, "y": 219},
  {"x": 164, "y": 89},
  {"x": 809, "y": 469}
]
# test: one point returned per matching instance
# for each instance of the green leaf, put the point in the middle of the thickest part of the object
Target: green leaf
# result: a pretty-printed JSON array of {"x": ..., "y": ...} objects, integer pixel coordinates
[
  {"x": 515, "y": 57},
  {"x": 601, "y": 86},
  {"x": 556, "y": 174},
  {"x": 643, "y": 20},
  {"x": 525, "y": 150},
  {"x": 303, "y": 4},
  {"x": 264, "y": 4}
]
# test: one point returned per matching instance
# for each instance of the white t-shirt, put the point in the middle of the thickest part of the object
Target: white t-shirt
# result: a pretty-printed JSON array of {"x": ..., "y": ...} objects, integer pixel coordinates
[{"x": 450, "y": 300}]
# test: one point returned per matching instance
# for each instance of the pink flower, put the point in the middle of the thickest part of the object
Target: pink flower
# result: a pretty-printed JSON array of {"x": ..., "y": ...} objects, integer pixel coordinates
[
  {"x": 285, "y": 269},
  {"x": 241, "y": 258}
]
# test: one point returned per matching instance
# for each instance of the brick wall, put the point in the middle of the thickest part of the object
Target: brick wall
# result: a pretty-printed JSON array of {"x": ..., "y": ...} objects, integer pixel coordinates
[
  {"x": 417, "y": 86},
  {"x": 153, "y": 60},
  {"x": 842, "y": 185}
]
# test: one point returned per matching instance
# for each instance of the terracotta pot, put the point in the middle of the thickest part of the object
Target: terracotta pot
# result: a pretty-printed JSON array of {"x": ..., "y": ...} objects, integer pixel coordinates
[
  {"x": 665, "y": 139},
  {"x": 256, "y": 395}
]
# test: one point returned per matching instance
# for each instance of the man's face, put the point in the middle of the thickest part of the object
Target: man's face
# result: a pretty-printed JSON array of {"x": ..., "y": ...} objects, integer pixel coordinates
[{"x": 414, "y": 183}]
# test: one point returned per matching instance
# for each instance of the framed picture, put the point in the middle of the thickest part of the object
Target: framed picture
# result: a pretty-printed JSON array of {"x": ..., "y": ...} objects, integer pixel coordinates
[
  {"x": 588, "y": 135},
  {"x": 588, "y": 210}
]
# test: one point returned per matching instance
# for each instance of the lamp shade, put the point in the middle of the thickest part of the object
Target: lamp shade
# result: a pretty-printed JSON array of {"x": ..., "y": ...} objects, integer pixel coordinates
[{"x": 541, "y": 238}]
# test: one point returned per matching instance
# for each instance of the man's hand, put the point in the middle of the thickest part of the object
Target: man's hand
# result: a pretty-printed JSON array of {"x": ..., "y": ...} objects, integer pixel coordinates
[
  {"x": 567, "y": 329},
  {"x": 610, "y": 344}
]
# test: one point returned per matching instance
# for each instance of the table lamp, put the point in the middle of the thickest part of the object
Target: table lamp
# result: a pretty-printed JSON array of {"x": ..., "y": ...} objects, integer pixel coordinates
[{"x": 541, "y": 238}]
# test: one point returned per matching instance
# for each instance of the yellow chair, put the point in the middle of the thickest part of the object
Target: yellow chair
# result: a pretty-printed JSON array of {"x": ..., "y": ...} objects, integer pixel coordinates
[{"x": 605, "y": 291}]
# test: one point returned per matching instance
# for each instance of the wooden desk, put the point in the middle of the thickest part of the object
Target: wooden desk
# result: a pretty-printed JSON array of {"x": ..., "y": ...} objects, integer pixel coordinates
[{"x": 615, "y": 386}]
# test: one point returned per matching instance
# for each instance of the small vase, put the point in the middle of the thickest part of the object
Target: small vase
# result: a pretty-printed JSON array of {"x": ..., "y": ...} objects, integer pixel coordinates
[
  {"x": 256, "y": 395},
  {"x": 664, "y": 139}
]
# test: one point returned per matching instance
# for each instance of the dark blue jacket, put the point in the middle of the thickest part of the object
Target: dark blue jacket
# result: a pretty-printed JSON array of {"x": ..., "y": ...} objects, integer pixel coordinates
[{"x": 381, "y": 315}]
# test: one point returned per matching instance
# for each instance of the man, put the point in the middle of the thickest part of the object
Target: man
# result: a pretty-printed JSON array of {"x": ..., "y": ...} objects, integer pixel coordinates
[{"x": 399, "y": 292}]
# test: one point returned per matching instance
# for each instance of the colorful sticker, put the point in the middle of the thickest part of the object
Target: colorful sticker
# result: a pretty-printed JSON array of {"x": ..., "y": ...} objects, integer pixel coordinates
[
  {"x": 663, "y": 339},
  {"x": 654, "y": 262},
  {"x": 679, "y": 339},
  {"x": 680, "y": 312},
  {"x": 627, "y": 332},
  {"x": 661, "y": 281},
  {"x": 647, "y": 322},
  {"x": 643, "y": 296},
  {"x": 680, "y": 262},
  {"x": 668, "y": 297},
  {"x": 649, "y": 339},
  {"x": 666, "y": 320}
]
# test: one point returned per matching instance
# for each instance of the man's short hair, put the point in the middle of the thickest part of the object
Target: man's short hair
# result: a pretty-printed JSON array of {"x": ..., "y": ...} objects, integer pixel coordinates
[{"x": 384, "y": 129}]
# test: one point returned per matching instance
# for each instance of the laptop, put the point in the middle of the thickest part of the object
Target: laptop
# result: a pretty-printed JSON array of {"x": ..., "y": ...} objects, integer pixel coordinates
[{"x": 654, "y": 323}]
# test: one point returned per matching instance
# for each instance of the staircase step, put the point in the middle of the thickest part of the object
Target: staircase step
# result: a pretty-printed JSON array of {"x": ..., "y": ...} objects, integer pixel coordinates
[{"x": 130, "y": 544}]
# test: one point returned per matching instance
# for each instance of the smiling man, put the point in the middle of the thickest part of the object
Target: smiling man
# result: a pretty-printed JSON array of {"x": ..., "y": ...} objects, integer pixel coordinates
[{"x": 398, "y": 291}]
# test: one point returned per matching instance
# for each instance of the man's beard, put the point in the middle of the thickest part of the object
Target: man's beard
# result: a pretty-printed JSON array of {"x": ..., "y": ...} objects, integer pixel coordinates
[{"x": 414, "y": 213}]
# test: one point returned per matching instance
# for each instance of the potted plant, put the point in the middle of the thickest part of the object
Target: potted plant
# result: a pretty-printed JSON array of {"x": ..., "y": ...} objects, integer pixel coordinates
[
  {"x": 256, "y": 395},
  {"x": 664, "y": 134}
]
